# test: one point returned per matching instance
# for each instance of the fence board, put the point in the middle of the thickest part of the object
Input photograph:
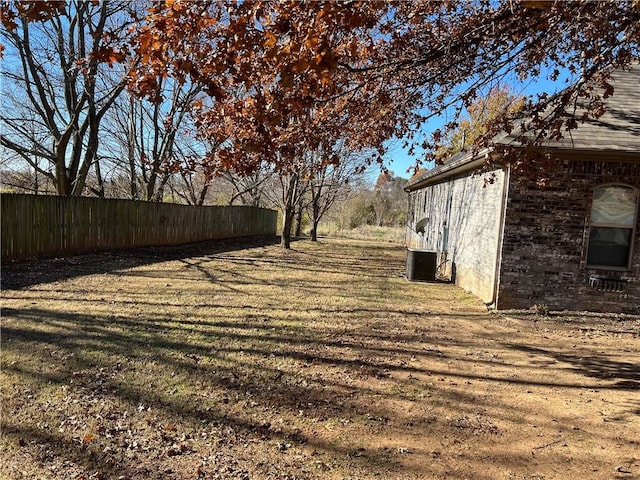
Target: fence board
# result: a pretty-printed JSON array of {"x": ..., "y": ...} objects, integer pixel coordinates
[{"x": 39, "y": 226}]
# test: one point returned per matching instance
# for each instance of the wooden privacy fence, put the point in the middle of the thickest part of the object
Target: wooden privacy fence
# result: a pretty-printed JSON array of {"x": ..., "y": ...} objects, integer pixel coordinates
[{"x": 34, "y": 226}]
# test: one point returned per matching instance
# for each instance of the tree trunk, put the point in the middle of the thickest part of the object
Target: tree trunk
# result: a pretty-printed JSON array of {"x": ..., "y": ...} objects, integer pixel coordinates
[
  {"x": 315, "y": 220},
  {"x": 287, "y": 223},
  {"x": 151, "y": 186},
  {"x": 131, "y": 153},
  {"x": 298, "y": 232},
  {"x": 63, "y": 186},
  {"x": 288, "y": 211},
  {"x": 203, "y": 195},
  {"x": 99, "y": 191},
  {"x": 314, "y": 230},
  {"x": 36, "y": 185}
]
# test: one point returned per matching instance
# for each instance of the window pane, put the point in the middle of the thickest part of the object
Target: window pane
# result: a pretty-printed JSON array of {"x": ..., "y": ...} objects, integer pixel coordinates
[
  {"x": 609, "y": 247},
  {"x": 614, "y": 204}
]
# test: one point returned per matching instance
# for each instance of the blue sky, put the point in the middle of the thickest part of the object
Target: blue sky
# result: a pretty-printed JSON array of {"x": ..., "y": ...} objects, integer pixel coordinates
[{"x": 399, "y": 161}]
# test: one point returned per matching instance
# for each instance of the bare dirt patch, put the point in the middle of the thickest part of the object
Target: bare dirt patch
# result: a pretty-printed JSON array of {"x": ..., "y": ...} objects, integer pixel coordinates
[{"x": 231, "y": 361}]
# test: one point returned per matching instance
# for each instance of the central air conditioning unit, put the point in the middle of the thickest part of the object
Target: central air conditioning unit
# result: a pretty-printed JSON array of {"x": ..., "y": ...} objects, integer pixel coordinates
[{"x": 421, "y": 265}]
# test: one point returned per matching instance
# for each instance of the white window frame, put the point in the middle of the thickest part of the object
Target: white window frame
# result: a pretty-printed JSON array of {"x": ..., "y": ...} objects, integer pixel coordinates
[{"x": 632, "y": 228}]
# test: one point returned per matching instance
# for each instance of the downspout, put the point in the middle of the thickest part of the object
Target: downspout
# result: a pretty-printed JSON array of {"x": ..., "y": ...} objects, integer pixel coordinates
[
  {"x": 498, "y": 263},
  {"x": 444, "y": 237}
]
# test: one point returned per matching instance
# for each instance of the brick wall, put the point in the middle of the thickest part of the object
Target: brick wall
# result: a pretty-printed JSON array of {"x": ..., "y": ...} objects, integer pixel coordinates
[
  {"x": 546, "y": 236},
  {"x": 464, "y": 217}
]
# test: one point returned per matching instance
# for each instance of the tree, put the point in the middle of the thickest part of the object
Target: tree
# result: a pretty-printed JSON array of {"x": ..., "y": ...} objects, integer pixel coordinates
[
  {"x": 329, "y": 184},
  {"x": 285, "y": 80},
  {"x": 291, "y": 191},
  {"x": 154, "y": 138},
  {"x": 480, "y": 115},
  {"x": 324, "y": 192},
  {"x": 385, "y": 68},
  {"x": 61, "y": 74},
  {"x": 249, "y": 189},
  {"x": 388, "y": 199},
  {"x": 381, "y": 200}
]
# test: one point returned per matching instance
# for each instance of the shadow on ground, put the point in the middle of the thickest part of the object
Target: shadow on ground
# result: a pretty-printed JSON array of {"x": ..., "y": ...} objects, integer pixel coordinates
[
  {"x": 27, "y": 273},
  {"x": 275, "y": 365}
]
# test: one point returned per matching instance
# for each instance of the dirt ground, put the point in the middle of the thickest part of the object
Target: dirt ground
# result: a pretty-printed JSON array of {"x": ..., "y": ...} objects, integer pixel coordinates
[{"x": 236, "y": 360}]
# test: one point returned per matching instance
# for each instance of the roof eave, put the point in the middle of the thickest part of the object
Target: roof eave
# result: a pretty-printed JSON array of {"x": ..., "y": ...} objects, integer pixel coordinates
[{"x": 464, "y": 164}]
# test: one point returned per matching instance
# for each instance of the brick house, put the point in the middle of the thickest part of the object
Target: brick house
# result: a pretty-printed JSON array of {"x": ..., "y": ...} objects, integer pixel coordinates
[{"x": 574, "y": 244}]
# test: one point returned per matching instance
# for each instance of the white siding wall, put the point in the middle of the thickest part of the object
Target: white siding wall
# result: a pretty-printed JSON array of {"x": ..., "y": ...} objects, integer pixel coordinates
[{"x": 464, "y": 228}]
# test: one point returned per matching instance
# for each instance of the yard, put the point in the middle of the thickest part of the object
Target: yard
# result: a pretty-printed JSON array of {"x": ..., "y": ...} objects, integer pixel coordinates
[{"x": 241, "y": 361}]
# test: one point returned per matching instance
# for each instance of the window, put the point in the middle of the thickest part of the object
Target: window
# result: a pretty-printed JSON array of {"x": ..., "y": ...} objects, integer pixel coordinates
[{"x": 613, "y": 220}]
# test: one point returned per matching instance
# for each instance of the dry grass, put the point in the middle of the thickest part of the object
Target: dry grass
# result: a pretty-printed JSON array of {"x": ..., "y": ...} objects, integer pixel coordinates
[
  {"x": 245, "y": 361},
  {"x": 367, "y": 233}
]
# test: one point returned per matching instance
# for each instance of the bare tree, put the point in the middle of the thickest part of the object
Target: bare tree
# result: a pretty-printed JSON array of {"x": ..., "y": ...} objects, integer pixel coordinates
[
  {"x": 330, "y": 185},
  {"x": 62, "y": 78},
  {"x": 284, "y": 190},
  {"x": 197, "y": 183},
  {"x": 252, "y": 189},
  {"x": 388, "y": 199},
  {"x": 154, "y": 140}
]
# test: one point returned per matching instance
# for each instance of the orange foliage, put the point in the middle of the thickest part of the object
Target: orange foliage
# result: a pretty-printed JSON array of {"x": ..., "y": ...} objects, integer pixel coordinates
[
  {"x": 285, "y": 79},
  {"x": 30, "y": 10}
]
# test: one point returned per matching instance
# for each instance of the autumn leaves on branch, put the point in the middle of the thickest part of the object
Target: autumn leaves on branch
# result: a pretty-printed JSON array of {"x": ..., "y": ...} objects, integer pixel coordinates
[{"x": 282, "y": 78}]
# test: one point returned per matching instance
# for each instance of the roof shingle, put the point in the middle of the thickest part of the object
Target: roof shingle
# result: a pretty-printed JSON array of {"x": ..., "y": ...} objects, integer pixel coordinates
[{"x": 617, "y": 130}]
